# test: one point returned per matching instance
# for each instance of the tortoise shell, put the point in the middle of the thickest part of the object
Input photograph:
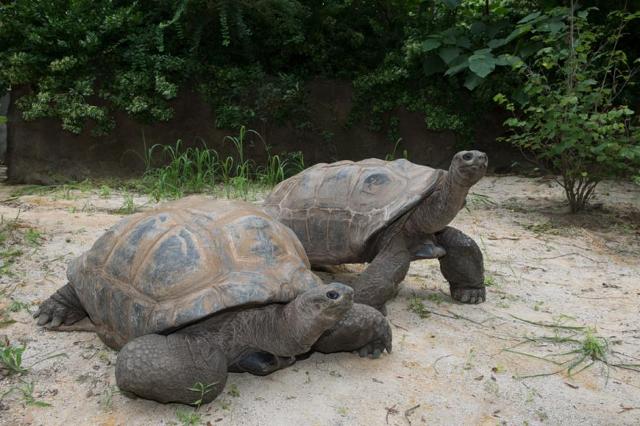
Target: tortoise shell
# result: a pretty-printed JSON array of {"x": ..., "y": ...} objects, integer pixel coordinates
[
  {"x": 158, "y": 271},
  {"x": 336, "y": 209}
]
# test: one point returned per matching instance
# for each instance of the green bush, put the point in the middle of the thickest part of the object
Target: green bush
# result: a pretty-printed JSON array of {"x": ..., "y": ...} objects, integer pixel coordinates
[{"x": 571, "y": 118}]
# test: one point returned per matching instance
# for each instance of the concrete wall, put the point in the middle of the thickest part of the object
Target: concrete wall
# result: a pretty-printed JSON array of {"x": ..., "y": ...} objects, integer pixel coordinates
[
  {"x": 41, "y": 152},
  {"x": 4, "y": 107}
]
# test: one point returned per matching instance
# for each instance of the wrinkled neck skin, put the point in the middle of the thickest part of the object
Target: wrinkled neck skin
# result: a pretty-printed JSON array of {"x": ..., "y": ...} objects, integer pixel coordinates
[
  {"x": 282, "y": 330},
  {"x": 438, "y": 209}
]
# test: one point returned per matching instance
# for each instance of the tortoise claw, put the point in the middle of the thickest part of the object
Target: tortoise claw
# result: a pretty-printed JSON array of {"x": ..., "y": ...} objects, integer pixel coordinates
[{"x": 469, "y": 295}]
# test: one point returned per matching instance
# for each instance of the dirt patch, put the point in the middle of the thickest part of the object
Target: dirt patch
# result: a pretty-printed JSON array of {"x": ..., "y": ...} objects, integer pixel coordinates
[{"x": 451, "y": 364}]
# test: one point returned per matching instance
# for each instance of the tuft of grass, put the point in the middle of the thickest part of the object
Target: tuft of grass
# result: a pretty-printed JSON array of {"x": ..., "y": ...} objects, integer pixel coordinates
[{"x": 201, "y": 169}]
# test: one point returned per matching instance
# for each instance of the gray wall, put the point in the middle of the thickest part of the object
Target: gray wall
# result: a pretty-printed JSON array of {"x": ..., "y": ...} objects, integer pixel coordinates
[
  {"x": 41, "y": 152},
  {"x": 4, "y": 107}
]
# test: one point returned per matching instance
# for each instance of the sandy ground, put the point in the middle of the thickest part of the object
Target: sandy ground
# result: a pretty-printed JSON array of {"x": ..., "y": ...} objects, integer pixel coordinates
[{"x": 458, "y": 365}]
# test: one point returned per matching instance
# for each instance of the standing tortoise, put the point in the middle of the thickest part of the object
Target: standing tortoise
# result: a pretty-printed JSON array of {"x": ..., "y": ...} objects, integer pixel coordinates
[
  {"x": 387, "y": 213},
  {"x": 200, "y": 287}
]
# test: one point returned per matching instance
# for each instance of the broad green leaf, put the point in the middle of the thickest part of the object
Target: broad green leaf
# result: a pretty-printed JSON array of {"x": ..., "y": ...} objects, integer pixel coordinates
[
  {"x": 430, "y": 44},
  {"x": 478, "y": 27},
  {"x": 482, "y": 51},
  {"x": 482, "y": 63},
  {"x": 458, "y": 64},
  {"x": 449, "y": 53},
  {"x": 517, "y": 33},
  {"x": 432, "y": 64},
  {"x": 497, "y": 42},
  {"x": 529, "y": 17},
  {"x": 472, "y": 81},
  {"x": 450, "y": 36},
  {"x": 552, "y": 27},
  {"x": 464, "y": 41}
]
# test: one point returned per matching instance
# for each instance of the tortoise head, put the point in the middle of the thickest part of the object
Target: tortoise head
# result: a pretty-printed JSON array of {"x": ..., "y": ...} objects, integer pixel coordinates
[
  {"x": 320, "y": 308},
  {"x": 468, "y": 167}
]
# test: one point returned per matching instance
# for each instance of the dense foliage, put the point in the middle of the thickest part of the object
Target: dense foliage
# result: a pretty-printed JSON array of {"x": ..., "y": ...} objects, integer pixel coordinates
[{"x": 82, "y": 60}]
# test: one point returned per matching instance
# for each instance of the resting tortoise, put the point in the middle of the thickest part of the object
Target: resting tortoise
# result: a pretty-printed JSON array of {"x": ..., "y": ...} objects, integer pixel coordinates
[
  {"x": 387, "y": 213},
  {"x": 200, "y": 287}
]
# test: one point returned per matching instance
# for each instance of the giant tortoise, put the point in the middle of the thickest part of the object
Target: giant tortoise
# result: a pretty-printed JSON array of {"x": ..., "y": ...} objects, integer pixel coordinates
[
  {"x": 387, "y": 213},
  {"x": 199, "y": 287}
]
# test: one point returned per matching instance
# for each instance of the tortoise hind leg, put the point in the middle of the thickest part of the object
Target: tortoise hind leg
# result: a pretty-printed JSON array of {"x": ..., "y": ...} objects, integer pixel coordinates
[
  {"x": 379, "y": 282},
  {"x": 174, "y": 368},
  {"x": 63, "y": 307},
  {"x": 363, "y": 329},
  {"x": 462, "y": 266}
]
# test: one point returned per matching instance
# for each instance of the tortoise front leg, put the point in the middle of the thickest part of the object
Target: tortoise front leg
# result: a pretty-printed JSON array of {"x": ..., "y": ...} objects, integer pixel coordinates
[
  {"x": 363, "y": 329},
  {"x": 169, "y": 368},
  {"x": 379, "y": 282},
  {"x": 462, "y": 266},
  {"x": 62, "y": 307}
]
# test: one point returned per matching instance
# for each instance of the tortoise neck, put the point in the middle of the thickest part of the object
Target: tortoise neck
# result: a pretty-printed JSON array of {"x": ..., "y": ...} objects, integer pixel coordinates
[
  {"x": 438, "y": 209},
  {"x": 281, "y": 330}
]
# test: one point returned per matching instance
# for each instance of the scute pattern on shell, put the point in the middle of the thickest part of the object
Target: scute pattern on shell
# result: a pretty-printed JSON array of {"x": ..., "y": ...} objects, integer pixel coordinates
[
  {"x": 163, "y": 269},
  {"x": 336, "y": 208}
]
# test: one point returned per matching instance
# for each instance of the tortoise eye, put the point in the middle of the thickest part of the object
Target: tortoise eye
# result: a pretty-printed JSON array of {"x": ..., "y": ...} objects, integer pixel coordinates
[
  {"x": 467, "y": 156},
  {"x": 333, "y": 295}
]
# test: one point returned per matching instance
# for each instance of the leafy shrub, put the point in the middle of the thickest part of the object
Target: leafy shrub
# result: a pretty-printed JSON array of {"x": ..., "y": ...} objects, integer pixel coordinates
[{"x": 570, "y": 119}]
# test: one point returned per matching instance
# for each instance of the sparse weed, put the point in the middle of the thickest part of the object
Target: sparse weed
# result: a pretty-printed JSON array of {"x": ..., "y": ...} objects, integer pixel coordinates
[
  {"x": 17, "y": 306},
  {"x": 26, "y": 391},
  {"x": 128, "y": 205},
  {"x": 436, "y": 298},
  {"x": 233, "y": 391},
  {"x": 392, "y": 155},
  {"x": 417, "y": 307},
  {"x": 33, "y": 237},
  {"x": 585, "y": 348},
  {"x": 489, "y": 281},
  {"x": 11, "y": 358},
  {"x": 471, "y": 356},
  {"x": 104, "y": 191},
  {"x": 478, "y": 200},
  {"x": 187, "y": 417},
  {"x": 202, "y": 389},
  {"x": 503, "y": 304},
  {"x": 106, "y": 400},
  {"x": 542, "y": 228}
]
